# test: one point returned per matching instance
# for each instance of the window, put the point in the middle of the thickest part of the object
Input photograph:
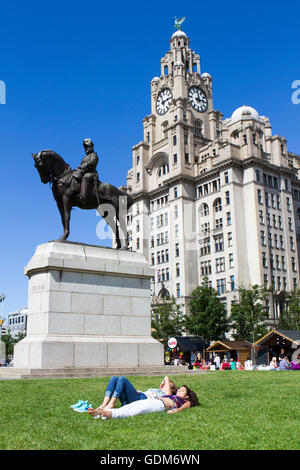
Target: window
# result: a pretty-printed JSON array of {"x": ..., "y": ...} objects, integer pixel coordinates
[
  {"x": 284, "y": 284},
  {"x": 259, "y": 196},
  {"x": 231, "y": 264},
  {"x": 152, "y": 259},
  {"x": 158, "y": 257},
  {"x": 274, "y": 221},
  {"x": 229, "y": 235},
  {"x": 276, "y": 240},
  {"x": 175, "y": 158},
  {"x": 205, "y": 247},
  {"x": 266, "y": 280},
  {"x": 137, "y": 159},
  {"x": 205, "y": 268},
  {"x": 138, "y": 177},
  {"x": 167, "y": 274},
  {"x": 220, "y": 265},
  {"x": 267, "y": 199},
  {"x": 187, "y": 158},
  {"x": 178, "y": 290},
  {"x": 137, "y": 243},
  {"x": 177, "y": 269},
  {"x": 227, "y": 198},
  {"x": 219, "y": 223},
  {"x": 281, "y": 242},
  {"x": 186, "y": 139},
  {"x": 290, "y": 224},
  {"x": 175, "y": 192},
  {"x": 261, "y": 217},
  {"x": 218, "y": 205},
  {"x": 262, "y": 238},
  {"x": 226, "y": 177},
  {"x": 283, "y": 263},
  {"x": 219, "y": 243},
  {"x": 175, "y": 212},
  {"x": 204, "y": 210},
  {"x": 174, "y": 139},
  {"x": 280, "y": 222},
  {"x": 176, "y": 231},
  {"x": 270, "y": 240},
  {"x": 292, "y": 246},
  {"x": 278, "y": 283},
  {"x": 176, "y": 249},
  {"x": 277, "y": 262},
  {"x": 278, "y": 202},
  {"x": 221, "y": 284},
  {"x": 288, "y": 204},
  {"x": 264, "y": 260},
  {"x": 232, "y": 285}
]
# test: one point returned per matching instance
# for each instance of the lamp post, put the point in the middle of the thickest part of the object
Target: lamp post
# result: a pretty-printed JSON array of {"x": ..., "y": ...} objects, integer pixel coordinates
[{"x": 2, "y": 298}]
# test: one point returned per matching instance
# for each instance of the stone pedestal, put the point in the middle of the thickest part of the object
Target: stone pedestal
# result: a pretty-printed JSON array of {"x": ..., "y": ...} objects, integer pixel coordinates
[{"x": 88, "y": 306}]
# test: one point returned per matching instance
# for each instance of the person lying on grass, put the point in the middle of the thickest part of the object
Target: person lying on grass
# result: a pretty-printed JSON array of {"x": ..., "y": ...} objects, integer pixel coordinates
[
  {"x": 120, "y": 388},
  {"x": 184, "y": 399}
]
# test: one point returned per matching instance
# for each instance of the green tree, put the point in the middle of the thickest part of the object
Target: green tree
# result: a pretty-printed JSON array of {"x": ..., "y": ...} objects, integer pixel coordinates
[
  {"x": 290, "y": 318},
  {"x": 167, "y": 320},
  {"x": 10, "y": 342},
  {"x": 248, "y": 314},
  {"x": 207, "y": 317}
]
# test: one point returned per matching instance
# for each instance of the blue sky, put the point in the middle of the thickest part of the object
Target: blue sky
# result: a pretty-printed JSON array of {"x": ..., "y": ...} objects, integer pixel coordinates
[{"x": 83, "y": 69}]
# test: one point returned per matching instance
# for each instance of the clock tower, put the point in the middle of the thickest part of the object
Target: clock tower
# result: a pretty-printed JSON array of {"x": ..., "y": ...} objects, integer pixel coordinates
[{"x": 181, "y": 123}]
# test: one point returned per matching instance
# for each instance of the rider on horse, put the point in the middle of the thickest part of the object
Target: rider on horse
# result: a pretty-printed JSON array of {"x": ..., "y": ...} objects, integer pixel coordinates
[{"x": 86, "y": 171}]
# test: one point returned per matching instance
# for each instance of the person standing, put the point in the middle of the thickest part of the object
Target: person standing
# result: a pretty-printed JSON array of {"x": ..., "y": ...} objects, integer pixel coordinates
[{"x": 217, "y": 361}]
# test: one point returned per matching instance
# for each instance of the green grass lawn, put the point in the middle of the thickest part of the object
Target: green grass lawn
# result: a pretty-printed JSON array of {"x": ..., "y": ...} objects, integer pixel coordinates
[{"x": 239, "y": 410}]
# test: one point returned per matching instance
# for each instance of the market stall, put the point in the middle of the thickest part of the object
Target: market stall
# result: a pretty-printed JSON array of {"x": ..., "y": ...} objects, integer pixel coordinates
[
  {"x": 274, "y": 344},
  {"x": 236, "y": 350}
]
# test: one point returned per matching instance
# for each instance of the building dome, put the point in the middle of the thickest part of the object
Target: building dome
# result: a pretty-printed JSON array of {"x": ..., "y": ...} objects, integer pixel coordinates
[
  {"x": 205, "y": 75},
  {"x": 155, "y": 79},
  {"x": 244, "y": 112},
  {"x": 178, "y": 34}
]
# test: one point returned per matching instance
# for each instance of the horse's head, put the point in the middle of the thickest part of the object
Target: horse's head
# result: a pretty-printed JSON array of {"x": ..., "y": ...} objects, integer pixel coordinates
[{"x": 43, "y": 162}]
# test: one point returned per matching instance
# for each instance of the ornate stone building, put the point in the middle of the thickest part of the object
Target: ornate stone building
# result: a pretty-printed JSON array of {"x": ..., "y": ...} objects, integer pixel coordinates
[{"x": 213, "y": 196}]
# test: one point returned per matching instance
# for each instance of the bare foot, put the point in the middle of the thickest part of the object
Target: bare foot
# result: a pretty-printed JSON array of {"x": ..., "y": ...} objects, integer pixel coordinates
[
  {"x": 93, "y": 412},
  {"x": 106, "y": 413}
]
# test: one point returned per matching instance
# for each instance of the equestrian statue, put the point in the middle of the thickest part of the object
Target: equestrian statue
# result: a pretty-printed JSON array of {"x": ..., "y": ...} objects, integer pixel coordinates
[{"x": 82, "y": 188}]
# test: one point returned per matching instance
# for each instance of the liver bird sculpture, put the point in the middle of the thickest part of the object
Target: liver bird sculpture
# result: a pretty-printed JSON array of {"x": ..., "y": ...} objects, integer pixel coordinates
[{"x": 178, "y": 22}]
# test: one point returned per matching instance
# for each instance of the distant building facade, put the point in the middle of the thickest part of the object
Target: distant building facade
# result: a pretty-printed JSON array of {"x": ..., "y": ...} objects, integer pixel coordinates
[
  {"x": 213, "y": 197},
  {"x": 17, "y": 322}
]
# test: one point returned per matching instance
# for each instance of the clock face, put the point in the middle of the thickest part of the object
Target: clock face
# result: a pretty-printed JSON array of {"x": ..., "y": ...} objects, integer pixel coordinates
[
  {"x": 198, "y": 99},
  {"x": 164, "y": 101}
]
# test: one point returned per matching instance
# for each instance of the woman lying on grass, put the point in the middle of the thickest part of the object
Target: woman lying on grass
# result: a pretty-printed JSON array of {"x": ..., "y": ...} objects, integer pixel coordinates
[
  {"x": 184, "y": 399},
  {"x": 120, "y": 388}
]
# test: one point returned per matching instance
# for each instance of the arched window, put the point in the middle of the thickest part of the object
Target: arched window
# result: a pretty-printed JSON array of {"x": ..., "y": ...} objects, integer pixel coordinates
[
  {"x": 204, "y": 210},
  {"x": 217, "y": 205},
  {"x": 163, "y": 169}
]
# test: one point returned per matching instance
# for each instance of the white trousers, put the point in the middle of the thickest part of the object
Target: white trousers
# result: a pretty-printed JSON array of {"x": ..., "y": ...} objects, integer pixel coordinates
[{"x": 140, "y": 407}]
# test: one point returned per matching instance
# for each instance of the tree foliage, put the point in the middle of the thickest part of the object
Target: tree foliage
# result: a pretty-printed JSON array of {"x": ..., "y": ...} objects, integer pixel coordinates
[
  {"x": 167, "y": 320},
  {"x": 207, "y": 317},
  {"x": 10, "y": 342},
  {"x": 248, "y": 314},
  {"x": 290, "y": 319}
]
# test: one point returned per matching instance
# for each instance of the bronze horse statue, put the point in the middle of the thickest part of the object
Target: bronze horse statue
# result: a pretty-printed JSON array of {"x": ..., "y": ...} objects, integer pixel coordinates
[{"x": 111, "y": 202}]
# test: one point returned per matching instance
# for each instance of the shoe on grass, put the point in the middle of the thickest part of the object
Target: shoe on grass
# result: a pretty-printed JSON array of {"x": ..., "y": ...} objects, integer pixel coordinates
[
  {"x": 78, "y": 404},
  {"x": 83, "y": 408}
]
